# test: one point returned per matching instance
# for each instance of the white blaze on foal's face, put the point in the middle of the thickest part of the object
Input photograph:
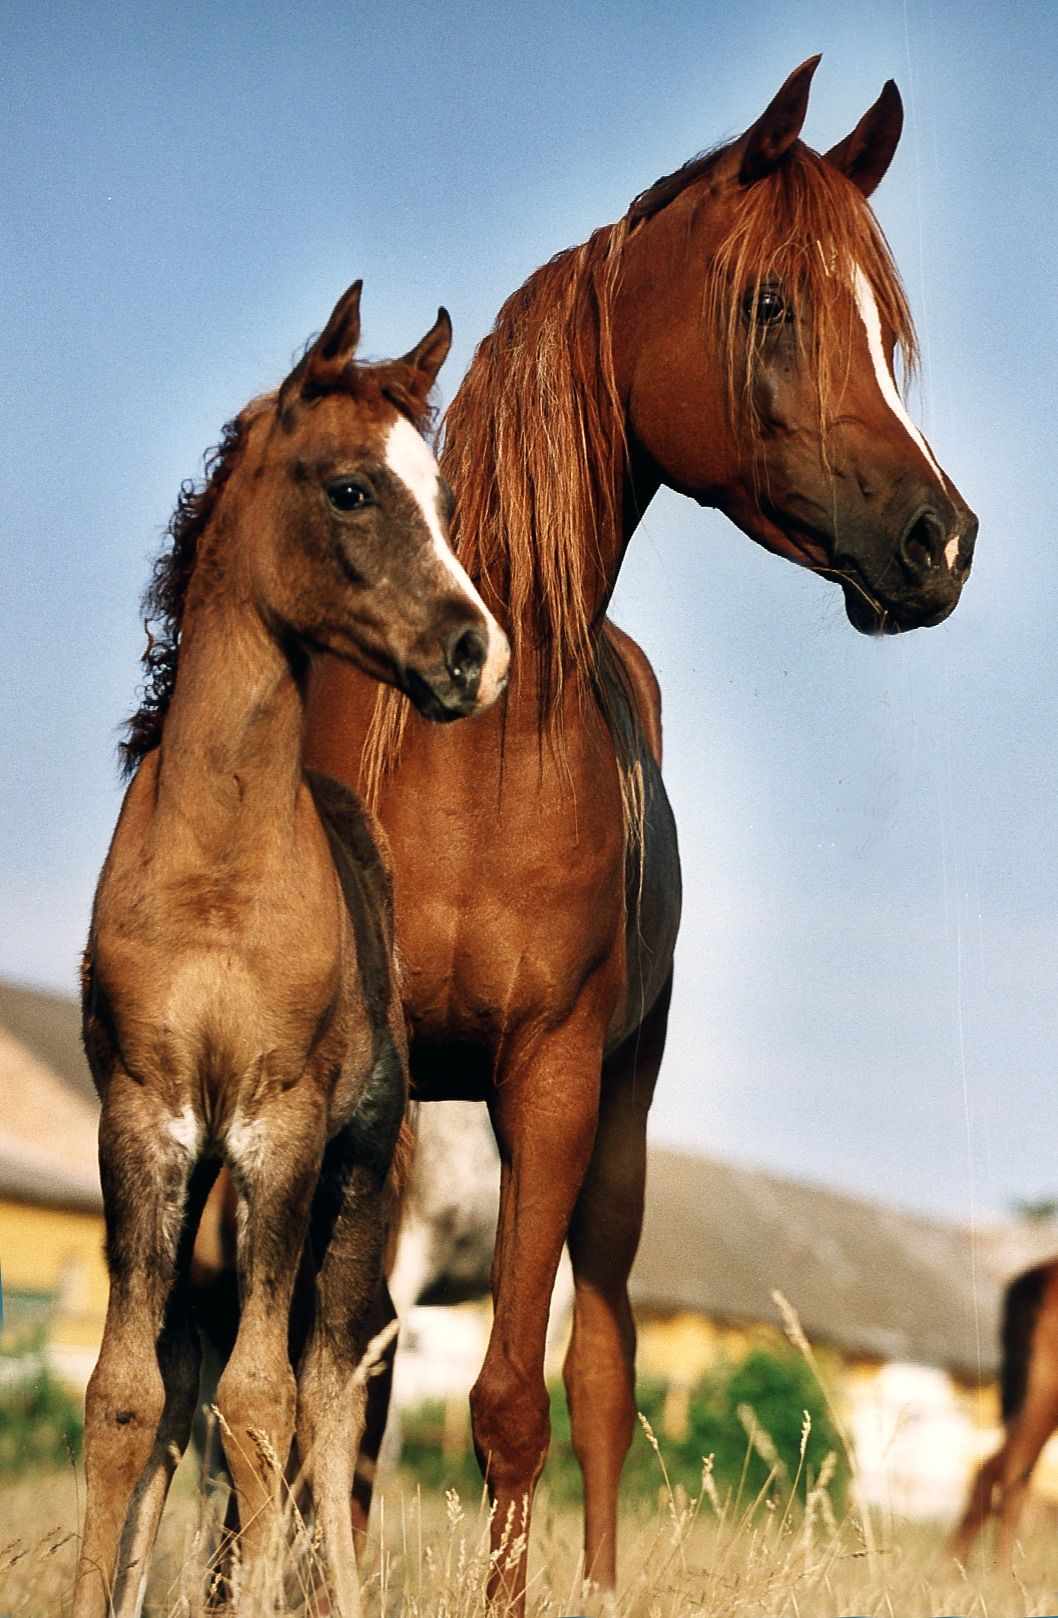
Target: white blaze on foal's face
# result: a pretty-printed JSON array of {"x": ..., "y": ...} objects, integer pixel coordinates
[
  {"x": 868, "y": 308},
  {"x": 410, "y": 458}
]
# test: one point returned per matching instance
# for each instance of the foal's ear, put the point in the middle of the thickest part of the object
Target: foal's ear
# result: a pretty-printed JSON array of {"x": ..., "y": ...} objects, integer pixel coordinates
[
  {"x": 864, "y": 156},
  {"x": 321, "y": 366},
  {"x": 429, "y": 354},
  {"x": 336, "y": 344},
  {"x": 770, "y": 138}
]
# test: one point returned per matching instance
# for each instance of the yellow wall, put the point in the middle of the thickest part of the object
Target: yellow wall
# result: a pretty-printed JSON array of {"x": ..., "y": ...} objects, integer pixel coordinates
[
  {"x": 681, "y": 1347},
  {"x": 60, "y": 1253}
]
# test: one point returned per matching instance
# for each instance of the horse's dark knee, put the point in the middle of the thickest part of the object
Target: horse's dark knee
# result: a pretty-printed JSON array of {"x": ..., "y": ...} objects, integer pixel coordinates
[{"x": 510, "y": 1417}]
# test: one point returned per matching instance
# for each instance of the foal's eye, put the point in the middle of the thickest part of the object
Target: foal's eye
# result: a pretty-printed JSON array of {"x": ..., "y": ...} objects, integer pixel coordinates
[
  {"x": 349, "y": 495},
  {"x": 766, "y": 306}
]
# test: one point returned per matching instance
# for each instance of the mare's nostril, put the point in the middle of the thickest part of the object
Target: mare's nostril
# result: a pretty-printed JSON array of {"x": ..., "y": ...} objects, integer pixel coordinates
[
  {"x": 465, "y": 658},
  {"x": 922, "y": 547}
]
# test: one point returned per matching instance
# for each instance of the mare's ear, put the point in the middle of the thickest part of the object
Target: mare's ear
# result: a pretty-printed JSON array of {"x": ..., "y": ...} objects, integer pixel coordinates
[
  {"x": 430, "y": 353},
  {"x": 333, "y": 350},
  {"x": 767, "y": 141},
  {"x": 864, "y": 156}
]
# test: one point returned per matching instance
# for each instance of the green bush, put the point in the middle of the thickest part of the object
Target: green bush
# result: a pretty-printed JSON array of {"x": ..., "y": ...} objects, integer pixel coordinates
[
  {"x": 777, "y": 1387},
  {"x": 41, "y": 1423}
]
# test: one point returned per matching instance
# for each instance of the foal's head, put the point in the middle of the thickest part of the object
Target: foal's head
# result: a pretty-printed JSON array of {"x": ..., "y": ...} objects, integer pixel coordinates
[
  {"x": 347, "y": 517},
  {"x": 760, "y": 312}
]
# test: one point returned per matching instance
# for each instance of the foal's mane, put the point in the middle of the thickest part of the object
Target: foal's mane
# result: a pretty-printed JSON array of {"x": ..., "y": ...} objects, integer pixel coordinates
[
  {"x": 165, "y": 597},
  {"x": 166, "y": 594},
  {"x": 534, "y": 441}
]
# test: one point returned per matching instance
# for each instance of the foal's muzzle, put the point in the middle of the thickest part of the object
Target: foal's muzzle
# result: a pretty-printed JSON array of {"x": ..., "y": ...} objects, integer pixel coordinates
[{"x": 454, "y": 687}]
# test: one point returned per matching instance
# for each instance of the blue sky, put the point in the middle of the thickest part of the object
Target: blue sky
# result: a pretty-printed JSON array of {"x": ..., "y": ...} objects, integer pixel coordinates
[{"x": 868, "y": 973}]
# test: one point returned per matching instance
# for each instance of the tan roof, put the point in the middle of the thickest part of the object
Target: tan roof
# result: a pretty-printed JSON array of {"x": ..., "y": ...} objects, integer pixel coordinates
[
  {"x": 49, "y": 1025},
  {"x": 48, "y": 1125},
  {"x": 865, "y": 1278},
  {"x": 31, "y": 1174}
]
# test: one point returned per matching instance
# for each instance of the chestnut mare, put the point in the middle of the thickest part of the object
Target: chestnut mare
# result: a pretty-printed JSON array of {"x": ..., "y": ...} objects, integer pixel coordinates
[
  {"x": 732, "y": 337},
  {"x": 241, "y": 1000},
  {"x": 1029, "y": 1382}
]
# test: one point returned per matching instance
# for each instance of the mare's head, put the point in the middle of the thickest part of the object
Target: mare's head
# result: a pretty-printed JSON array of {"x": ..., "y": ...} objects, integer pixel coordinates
[
  {"x": 755, "y": 326},
  {"x": 349, "y": 516}
]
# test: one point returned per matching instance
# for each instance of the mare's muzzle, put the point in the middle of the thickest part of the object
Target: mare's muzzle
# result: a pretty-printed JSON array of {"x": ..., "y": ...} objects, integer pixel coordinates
[{"x": 920, "y": 583}]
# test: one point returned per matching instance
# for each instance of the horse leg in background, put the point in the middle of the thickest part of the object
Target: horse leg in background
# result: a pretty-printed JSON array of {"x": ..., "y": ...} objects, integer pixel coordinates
[
  {"x": 1028, "y": 1433},
  {"x": 599, "y": 1370},
  {"x": 141, "y": 1397},
  {"x": 348, "y": 1238},
  {"x": 1002, "y": 1483},
  {"x": 980, "y": 1504},
  {"x": 544, "y": 1107},
  {"x": 1030, "y": 1359},
  {"x": 275, "y": 1164}
]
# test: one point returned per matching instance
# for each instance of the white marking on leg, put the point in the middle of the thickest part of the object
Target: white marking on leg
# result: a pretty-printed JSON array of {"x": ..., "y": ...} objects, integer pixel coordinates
[
  {"x": 185, "y": 1130},
  {"x": 247, "y": 1141},
  {"x": 868, "y": 308},
  {"x": 410, "y": 458}
]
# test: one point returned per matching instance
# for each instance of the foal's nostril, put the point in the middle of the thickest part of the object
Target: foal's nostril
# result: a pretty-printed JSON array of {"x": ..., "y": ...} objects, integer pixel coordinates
[
  {"x": 465, "y": 658},
  {"x": 923, "y": 546}
]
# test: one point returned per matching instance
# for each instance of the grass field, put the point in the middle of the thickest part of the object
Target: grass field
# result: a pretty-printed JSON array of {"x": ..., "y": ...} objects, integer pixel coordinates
[{"x": 680, "y": 1559}]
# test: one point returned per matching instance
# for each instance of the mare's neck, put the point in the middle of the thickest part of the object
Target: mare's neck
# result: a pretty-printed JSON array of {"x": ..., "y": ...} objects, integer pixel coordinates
[{"x": 230, "y": 765}]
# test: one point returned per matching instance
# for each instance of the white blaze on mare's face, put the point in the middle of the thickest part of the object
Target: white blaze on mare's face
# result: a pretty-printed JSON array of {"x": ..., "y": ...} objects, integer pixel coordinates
[
  {"x": 410, "y": 458},
  {"x": 868, "y": 308}
]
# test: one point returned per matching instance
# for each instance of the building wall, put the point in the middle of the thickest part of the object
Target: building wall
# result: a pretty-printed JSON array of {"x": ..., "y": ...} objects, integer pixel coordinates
[{"x": 54, "y": 1275}]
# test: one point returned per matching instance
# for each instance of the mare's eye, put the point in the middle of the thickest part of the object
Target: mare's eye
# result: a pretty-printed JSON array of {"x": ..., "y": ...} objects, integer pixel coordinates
[
  {"x": 766, "y": 305},
  {"x": 349, "y": 495}
]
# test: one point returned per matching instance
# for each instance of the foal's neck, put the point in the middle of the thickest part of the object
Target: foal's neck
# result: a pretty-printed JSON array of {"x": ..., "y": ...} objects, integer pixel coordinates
[{"x": 230, "y": 766}]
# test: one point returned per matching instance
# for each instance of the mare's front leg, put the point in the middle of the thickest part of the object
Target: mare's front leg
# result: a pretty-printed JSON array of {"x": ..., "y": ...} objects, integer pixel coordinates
[
  {"x": 348, "y": 1233},
  {"x": 141, "y": 1396},
  {"x": 544, "y": 1108},
  {"x": 603, "y": 1237},
  {"x": 274, "y": 1152}
]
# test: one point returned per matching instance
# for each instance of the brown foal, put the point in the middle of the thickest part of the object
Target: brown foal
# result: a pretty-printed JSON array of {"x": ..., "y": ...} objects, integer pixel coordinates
[{"x": 241, "y": 1000}]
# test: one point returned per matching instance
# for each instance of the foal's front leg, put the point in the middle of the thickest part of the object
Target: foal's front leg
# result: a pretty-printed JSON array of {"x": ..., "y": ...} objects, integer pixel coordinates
[
  {"x": 275, "y": 1159},
  {"x": 141, "y": 1395}
]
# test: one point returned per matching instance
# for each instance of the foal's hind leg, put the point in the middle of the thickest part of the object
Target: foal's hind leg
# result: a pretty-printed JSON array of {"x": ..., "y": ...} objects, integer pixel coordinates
[
  {"x": 141, "y": 1396},
  {"x": 348, "y": 1240},
  {"x": 382, "y": 1320},
  {"x": 603, "y": 1237}
]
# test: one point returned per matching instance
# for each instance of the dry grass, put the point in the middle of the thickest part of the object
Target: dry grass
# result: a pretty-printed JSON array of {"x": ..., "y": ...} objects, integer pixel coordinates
[{"x": 686, "y": 1559}]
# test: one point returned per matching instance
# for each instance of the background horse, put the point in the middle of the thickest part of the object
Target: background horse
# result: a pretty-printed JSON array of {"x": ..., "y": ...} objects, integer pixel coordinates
[
  {"x": 732, "y": 337},
  {"x": 240, "y": 989},
  {"x": 1029, "y": 1392}
]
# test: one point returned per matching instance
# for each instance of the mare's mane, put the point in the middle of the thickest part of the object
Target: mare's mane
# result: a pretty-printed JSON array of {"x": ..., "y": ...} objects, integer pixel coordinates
[{"x": 534, "y": 441}]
